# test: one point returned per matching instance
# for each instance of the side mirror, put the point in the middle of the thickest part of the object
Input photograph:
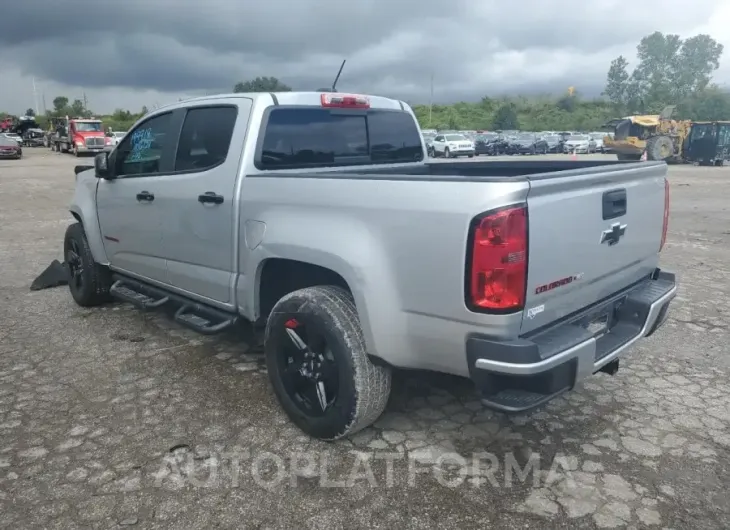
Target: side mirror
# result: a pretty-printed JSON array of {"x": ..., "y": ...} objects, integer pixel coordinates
[{"x": 101, "y": 166}]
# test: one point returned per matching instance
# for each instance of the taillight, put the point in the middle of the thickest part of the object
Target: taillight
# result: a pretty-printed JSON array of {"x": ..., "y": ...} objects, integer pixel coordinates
[
  {"x": 346, "y": 101},
  {"x": 497, "y": 268},
  {"x": 665, "y": 225}
]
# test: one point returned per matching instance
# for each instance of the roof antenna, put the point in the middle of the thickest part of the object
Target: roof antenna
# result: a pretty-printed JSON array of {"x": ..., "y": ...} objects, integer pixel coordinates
[{"x": 334, "y": 84}]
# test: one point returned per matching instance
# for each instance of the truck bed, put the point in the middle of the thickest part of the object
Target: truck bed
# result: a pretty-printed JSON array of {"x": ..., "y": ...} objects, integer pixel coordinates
[{"x": 487, "y": 169}]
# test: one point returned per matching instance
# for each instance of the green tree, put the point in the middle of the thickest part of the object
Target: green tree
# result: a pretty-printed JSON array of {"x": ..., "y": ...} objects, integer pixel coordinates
[
  {"x": 261, "y": 84},
  {"x": 616, "y": 83},
  {"x": 669, "y": 70},
  {"x": 60, "y": 103},
  {"x": 506, "y": 118},
  {"x": 77, "y": 108},
  {"x": 698, "y": 59},
  {"x": 30, "y": 112}
]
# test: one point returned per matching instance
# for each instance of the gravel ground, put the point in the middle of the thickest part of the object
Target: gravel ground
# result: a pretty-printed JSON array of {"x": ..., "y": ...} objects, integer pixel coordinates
[{"x": 111, "y": 417}]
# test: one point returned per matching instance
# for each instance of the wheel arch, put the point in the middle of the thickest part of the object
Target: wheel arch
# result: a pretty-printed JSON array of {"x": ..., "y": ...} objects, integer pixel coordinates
[{"x": 93, "y": 234}]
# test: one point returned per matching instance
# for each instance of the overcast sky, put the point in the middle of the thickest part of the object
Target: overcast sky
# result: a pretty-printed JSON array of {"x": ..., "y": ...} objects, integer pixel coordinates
[{"x": 131, "y": 53}]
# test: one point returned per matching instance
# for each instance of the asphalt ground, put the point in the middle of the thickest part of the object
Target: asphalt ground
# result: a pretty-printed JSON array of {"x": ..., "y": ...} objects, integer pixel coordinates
[{"x": 112, "y": 418}]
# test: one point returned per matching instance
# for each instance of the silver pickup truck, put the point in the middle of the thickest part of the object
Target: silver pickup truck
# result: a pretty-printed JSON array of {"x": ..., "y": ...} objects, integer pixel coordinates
[{"x": 316, "y": 218}]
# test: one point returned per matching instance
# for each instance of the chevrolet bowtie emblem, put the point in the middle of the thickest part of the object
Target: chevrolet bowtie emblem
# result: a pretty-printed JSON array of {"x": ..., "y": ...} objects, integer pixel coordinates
[{"x": 613, "y": 234}]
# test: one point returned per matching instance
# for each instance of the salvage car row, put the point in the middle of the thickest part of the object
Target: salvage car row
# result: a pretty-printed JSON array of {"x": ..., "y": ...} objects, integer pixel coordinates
[{"x": 451, "y": 144}]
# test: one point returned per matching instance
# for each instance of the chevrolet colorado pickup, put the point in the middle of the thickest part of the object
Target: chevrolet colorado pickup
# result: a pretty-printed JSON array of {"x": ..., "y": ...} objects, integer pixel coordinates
[{"x": 316, "y": 218}]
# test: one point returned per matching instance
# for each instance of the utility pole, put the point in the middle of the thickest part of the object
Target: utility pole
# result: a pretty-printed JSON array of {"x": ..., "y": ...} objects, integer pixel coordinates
[
  {"x": 35, "y": 97},
  {"x": 86, "y": 103}
]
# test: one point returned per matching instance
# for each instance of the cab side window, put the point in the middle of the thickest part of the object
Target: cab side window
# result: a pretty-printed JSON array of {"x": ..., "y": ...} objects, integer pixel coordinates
[
  {"x": 141, "y": 150},
  {"x": 205, "y": 138}
]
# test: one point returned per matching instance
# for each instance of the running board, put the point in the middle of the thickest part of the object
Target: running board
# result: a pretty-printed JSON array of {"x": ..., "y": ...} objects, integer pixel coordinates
[
  {"x": 141, "y": 296},
  {"x": 204, "y": 320},
  {"x": 198, "y": 317}
]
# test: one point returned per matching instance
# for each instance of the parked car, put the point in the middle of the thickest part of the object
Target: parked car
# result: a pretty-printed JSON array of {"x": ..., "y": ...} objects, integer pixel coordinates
[
  {"x": 33, "y": 137},
  {"x": 10, "y": 148},
  {"x": 452, "y": 145},
  {"x": 13, "y": 136},
  {"x": 527, "y": 144},
  {"x": 372, "y": 258},
  {"x": 428, "y": 141},
  {"x": 597, "y": 137},
  {"x": 579, "y": 143},
  {"x": 117, "y": 136},
  {"x": 555, "y": 143},
  {"x": 489, "y": 144}
]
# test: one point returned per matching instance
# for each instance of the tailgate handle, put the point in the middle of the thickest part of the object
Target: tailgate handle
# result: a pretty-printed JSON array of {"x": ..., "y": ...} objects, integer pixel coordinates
[{"x": 614, "y": 204}]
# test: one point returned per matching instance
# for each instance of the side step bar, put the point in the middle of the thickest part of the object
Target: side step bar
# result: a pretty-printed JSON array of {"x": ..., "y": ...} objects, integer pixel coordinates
[
  {"x": 198, "y": 317},
  {"x": 139, "y": 295},
  {"x": 204, "y": 320}
]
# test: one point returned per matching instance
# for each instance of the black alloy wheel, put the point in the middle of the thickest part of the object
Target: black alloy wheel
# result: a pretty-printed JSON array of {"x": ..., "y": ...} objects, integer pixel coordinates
[
  {"x": 308, "y": 366},
  {"x": 75, "y": 266}
]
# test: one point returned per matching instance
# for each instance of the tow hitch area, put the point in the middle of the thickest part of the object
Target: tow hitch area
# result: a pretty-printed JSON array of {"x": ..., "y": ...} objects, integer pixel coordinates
[{"x": 611, "y": 368}]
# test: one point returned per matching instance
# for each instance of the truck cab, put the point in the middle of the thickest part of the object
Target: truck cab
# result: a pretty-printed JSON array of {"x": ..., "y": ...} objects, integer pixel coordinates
[{"x": 81, "y": 136}]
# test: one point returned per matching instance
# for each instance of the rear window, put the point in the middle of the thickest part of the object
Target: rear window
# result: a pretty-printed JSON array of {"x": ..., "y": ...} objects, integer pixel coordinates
[{"x": 315, "y": 137}]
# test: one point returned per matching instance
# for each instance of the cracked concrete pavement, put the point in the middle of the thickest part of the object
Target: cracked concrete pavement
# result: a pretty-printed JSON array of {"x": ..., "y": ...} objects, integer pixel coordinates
[{"x": 113, "y": 418}]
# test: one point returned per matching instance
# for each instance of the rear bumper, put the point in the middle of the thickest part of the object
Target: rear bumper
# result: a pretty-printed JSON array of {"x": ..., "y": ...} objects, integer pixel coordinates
[{"x": 514, "y": 376}]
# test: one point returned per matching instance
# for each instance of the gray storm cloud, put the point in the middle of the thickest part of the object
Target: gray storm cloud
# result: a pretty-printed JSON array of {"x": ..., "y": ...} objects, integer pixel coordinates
[{"x": 471, "y": 47}]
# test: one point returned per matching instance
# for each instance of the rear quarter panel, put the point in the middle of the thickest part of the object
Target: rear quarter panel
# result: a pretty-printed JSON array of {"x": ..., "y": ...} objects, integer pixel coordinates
[{"x": 399, "y": 244}]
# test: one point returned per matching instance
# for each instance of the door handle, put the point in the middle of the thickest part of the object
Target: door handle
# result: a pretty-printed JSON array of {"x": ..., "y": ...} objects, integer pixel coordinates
[
  {"x": 145, "y": 196},
  {"x": 210, "y": 197},
  {"x": 614, "y": 204}
]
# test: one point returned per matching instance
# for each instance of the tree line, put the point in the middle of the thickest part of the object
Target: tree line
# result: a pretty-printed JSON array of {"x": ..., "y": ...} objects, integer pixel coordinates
[{"x": 669, "y": 71}]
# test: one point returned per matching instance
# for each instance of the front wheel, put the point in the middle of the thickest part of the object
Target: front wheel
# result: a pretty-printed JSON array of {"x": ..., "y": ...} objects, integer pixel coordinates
[
  {"x": 88, "y": 281},
  {"x": 319, "y": 366}
]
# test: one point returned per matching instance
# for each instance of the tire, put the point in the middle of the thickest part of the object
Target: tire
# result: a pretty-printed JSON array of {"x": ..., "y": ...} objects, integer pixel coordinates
[
  {"x": 447, "y": 153},
  {"x": 470, "y": 156},
  {"x": 88, "y": 281},
  {"x": 356, "y": 390},
  {"x": 659, "y": 148}
]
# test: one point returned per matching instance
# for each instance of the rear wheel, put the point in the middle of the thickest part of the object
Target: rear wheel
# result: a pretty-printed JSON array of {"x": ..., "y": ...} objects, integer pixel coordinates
[{"x": 319, "y": 366}]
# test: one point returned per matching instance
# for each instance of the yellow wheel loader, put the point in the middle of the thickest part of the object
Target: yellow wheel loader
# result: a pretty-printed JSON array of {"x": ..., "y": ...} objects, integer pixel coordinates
[{"x": 660, "y": 136}]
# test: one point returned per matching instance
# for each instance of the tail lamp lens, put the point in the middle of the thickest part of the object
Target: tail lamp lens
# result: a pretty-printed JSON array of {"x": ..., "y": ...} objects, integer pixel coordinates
[{"x": 498, "y": 273}]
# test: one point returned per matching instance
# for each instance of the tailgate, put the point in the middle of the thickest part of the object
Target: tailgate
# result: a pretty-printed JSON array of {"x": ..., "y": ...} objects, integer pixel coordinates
[{"x": 592, "y": 232}]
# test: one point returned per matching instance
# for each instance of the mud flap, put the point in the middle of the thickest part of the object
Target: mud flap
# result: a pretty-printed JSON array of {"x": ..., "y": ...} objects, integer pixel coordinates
[{"x": 55, "y": 275}]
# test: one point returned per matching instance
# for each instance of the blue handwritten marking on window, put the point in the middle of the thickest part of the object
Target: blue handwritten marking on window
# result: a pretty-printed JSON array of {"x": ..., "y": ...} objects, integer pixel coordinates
[{"x": 141, "y": 141}]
